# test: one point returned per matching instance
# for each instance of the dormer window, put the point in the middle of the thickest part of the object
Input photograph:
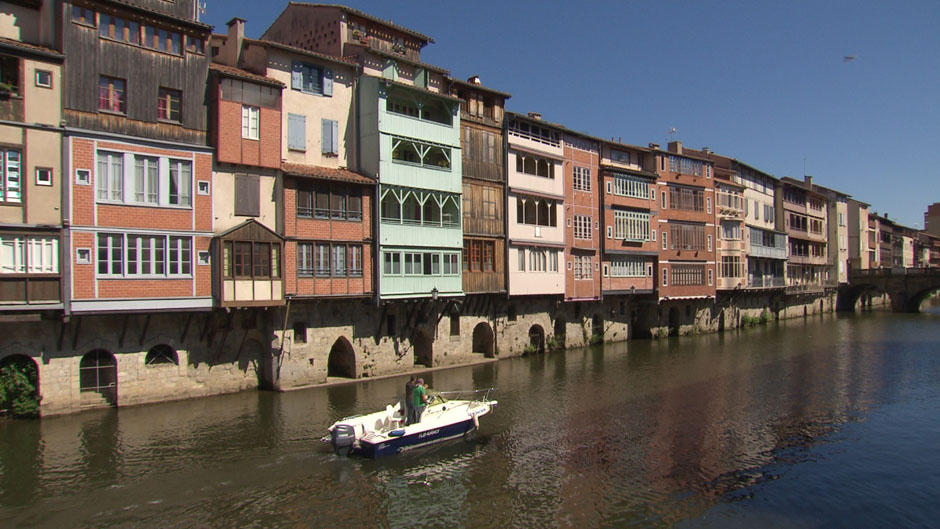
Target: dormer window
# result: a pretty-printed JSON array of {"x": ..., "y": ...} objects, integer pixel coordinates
[{"x": 311, "y": 79}]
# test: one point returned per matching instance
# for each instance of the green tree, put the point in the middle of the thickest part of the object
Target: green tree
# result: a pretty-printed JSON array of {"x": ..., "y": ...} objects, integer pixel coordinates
[{"x": 18, "y": 392}]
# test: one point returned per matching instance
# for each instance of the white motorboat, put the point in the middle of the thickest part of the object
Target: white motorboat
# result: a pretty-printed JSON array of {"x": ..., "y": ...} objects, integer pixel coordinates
[{"x": 384, "y": 432}]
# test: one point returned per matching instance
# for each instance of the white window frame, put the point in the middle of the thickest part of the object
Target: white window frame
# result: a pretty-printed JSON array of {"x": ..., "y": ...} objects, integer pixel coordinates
[
  {"x": 44, "y": 176},
  {"x": 251, "y": 122}
]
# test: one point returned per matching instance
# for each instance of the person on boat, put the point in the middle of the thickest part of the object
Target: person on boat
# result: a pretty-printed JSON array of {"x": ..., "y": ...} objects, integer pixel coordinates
[
  {"x": 421, "y": 399},
  {"x": 409, "y": 399}
]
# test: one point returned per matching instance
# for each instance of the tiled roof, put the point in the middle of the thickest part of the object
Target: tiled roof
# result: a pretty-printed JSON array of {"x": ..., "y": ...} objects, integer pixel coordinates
[
  {"x": 33, "y": 48},
  {"x": 326, "y": 173},
  {"x": 302, "y": 51},
  {"x": 367, "y": 16},
  {"x": 243, "y": 74}
]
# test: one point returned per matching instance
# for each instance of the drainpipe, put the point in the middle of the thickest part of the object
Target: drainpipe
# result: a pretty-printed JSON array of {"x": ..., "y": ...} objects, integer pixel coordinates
[{"x": 65, "y": 248}]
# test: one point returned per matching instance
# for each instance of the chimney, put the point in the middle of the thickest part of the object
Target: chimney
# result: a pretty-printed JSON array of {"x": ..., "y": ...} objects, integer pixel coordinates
[
  {"x": 808, "y": 180},
  {"x": 236, "y": 34},
  {"x": 535, "y": 115},
  {"x": 706, "y": 151},
  {"x": 675, "y": 146},
  {"x": 474, "y": 79},
  {"x": 654, "y": 146}
]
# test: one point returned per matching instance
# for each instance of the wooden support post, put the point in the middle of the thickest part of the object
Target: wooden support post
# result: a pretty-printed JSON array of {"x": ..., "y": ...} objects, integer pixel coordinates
[
  {"x": 143, "y": 332},
  {"x": 78, "y": 330},
  {"x": 189, "y": 319},
  {"x": 123, "y": 330}
]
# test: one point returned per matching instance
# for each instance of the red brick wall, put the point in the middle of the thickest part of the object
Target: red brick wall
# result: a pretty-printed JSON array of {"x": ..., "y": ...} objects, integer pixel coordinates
[
  {"x": 144, "y": 288},
  {"x": 232, "y": 148},
  {"x": 143, "y": 217},
  {"x": 202, "y": 204},
  {"x": 582, "y": 203},
  {"x": 202, "y": 275},
  {"x": 83, "y": 275},
  {"x": 83, "y": 197}
]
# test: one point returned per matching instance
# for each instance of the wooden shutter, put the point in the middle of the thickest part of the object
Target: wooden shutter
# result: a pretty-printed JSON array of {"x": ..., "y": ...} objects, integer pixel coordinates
[
  {"x": 247, "y": 195},
  {"x": 335, "y": 137},
  {"x": 297, "y": 132},
  {"x": 327, "y": 82},
  {"x": 329, "y": 136},
  {"x": 297, "y": 76}
]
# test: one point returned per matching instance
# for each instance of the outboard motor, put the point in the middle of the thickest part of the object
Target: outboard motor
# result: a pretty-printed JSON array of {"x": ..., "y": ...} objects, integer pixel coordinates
[{"x": 342, "y": 437}]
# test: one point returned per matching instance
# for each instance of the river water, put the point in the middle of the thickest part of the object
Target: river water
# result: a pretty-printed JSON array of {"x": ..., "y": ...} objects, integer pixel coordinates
[{"x": 829, "y": 422}]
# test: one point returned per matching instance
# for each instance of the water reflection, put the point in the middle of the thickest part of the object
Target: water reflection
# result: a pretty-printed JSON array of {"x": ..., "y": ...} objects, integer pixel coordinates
[{"x": 643, "y": 433}]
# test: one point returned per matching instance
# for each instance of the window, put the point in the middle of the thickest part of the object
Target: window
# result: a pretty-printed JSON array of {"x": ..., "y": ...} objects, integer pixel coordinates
[
  {"x": 582, "y": 227},
  {"x": 252, "y": 260},
  {"x": 420, "y": 153},
  {"x": 536, "y": 211},
  {"x": 708, "y": 245},
  {"x": 203, "y": 187},
  {"x": 688, "y": 275},
  {"x": 44, "y": 78},
  {"x": 535, "y": 165},
  {"x": 665, "y": 277},
  {"x": 43, "y": 176},
  {"x": 83, "y": 15},
  {"x": 582, "y": 178},
  {"x": 329, "y": 139},
  {"x": 631, "y": 186},
  {"x": 627, "y": 267},
  {"x": 534, "y": 132},
  {"x": 162, "y": 40},
  {"x": 479, "y": 255},
  {"x": 82, "y": 177},
  {"x": 311, "y": 79},
  {"x": 117, "y": 28},
  {"x": 168, "y": 104},
  {"x": 631, "y": 225},
  {"x": 768, "y": 213},
  {"x": 664, "y": 199},
  {"x": 22, "y": 254},
  {"x": 451, "y": 268},
  {"x": 731, "y": 266},
  {"x": 195, "y": 45},
  {"x": 83, "y": 255},
  {"x": 110, "y": 254},
  {"x": 687, "y": 236},
  {"x": 678, "y": 164},
  {"x": 110, "y": 177},
  {"x": 10, "y": 178},
  {"x": 250, "y": 120},
  {"x": 540, "y": 260},
  {"x": 708, "y": 204},
  {"x": 665, "y": 245},
  {"x": 391, "y": 263},
  {"x": 730, "y": 230},
  {"x": 296, "y": 132},
  {"x": 112, "y": 94},
  {"x": 146, "y": 180},
  {"x": 329, "y": 260},
  {"x": 686, "y": 198},
  {"x": 247, "y": 195},
  {"x": 146, "y": 255},
  {"x": 181, "y": 183},
  {"x": 329, "y": 201},
  {"x": 583, "y": 267},
  {"x": 419, "y": 107}
]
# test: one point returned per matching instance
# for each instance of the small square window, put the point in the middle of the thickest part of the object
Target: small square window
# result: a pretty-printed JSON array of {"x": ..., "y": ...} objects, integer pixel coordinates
[
  {"x": 83, "y": 177},
  {"x": 83, "y": 256},
  {"x": 203, "y": 258},
  {"x": 44, "y": 78},
  {"x": 43, "y": 176},
  {"x": 202, "y": 187}
]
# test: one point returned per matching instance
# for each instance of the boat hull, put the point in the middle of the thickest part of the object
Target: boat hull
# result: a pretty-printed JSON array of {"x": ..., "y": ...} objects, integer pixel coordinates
[{"x": 395, "y": 445}]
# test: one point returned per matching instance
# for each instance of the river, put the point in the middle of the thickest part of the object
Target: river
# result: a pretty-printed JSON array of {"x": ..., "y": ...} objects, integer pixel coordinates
[{"x": 829, "y": 422}]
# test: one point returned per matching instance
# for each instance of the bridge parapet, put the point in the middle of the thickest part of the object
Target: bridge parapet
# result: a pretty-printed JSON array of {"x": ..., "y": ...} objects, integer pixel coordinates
[{"x": 907, "y": 287}]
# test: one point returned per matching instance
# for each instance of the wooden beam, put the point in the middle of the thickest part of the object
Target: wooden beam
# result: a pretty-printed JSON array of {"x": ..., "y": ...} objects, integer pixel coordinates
[
  {"x": 19, "y": 318},
  {"x": 143, "y": 332},
  {"x": 78, "y": 329},
  {"x": 123, "y": 330}
]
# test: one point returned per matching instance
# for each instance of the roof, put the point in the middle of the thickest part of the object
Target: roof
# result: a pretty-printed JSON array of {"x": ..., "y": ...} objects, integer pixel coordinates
[
  {"x": 302, "y": 51},
  {"x": 238, "y": 73},
  {"x": 123, "y": 4},
  {"x": 625, "y": 170},
  {"x": 443, "y": 95},
  {"x": 562, "y": 128},
  {"x": 402, "y": 58},
  {"x": 325, "y": 173},
  {"x": 33, "y": 49},
  {"x": 480, "y": 87},
  {"x": 367, "y": 16}
]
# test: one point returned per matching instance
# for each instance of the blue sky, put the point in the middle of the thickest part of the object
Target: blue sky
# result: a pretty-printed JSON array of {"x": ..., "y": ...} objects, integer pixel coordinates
[{"x": 764, "y": 82}]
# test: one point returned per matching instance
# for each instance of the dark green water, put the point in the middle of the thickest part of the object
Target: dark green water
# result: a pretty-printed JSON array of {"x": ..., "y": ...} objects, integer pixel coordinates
[{"x": 832, "y": 422}]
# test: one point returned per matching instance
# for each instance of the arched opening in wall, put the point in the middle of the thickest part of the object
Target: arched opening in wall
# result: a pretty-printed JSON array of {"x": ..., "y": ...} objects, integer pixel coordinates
[
  {"x": 342, "y": 360},
  {"x": 253, "y": 356},
  {"x": 597, "y": 329},
  {"x": 560, "y": 328},
  {"x": 483, "y": 339},
  {"x": 423, "y": 346},
  {"x": 536, "y": 340},
  {"x": 674, "y": 321},
  {"x": 927, "y": 300},
  {"x": 19, "y": 386},
  {"x": 97, "y": 379},
  {"x": 161, "y": 354}
]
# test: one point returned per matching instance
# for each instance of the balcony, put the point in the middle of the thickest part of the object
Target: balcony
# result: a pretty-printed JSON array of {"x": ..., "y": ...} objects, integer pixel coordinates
[
  {"x": 768, "y": 252},
  {"x": 766, "y": 282}
]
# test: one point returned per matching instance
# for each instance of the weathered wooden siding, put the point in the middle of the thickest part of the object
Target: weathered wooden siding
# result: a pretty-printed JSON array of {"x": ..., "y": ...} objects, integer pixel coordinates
[{"x": 483, "y": 209}]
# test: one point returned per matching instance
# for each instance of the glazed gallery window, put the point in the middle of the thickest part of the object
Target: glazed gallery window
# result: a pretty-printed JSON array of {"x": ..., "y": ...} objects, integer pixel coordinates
[
  {"x": 117, "y": 28},
  {"x": 731, "y": 266},
  {"x": 534, "y": 165},
  {"x": 419, "y": 107},
  {"x": 542, "y": 260},
  {"x": 251, "y": 260},
  {"x": 169, "y": 104},
  {"x": 686, "y": 198},
  {"x": 420, "y": 153},
  {"x": 138, "y": 255},
  {"x": 583, "y": 267},
  {"x": 582, "y": 178},
  {"x": 730, "y": 230},
  {"x": 418, "y": 207},
  {"x": 157, "y": 181},
  {"x": 251, "y": 116},
  {"x": 325, "y": 201},
  {"x": 678, "y": 164},
  {"x": 631, "y": 225},
  {"x": 421, "y": 263},
  {"x": 627, "y": 267},
  {"x": 329, "y": 260},
  {"x": 478, "y": 255},
  {"x": 29, "y": 254},
  {"x": 11, "y": 176},
  {"x": 688, "y": 275},
  {"x": 112, "y": 94},
  {"x": 631, "y": 186},
  {"x": 536, "y": 211},
  {"x": 687, "y": 236}
]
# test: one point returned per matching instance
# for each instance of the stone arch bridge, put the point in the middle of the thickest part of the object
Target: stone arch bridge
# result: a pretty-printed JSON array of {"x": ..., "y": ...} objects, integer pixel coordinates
[{"x": 906, "y": 287}]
